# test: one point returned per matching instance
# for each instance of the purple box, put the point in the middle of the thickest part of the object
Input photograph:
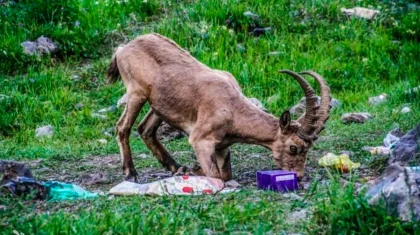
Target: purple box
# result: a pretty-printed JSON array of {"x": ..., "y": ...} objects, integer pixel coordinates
[{"x": 277, "y": 180}]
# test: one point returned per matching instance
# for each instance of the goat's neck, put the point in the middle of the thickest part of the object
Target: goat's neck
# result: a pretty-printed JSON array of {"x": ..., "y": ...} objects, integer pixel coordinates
[{"x": 256, "y": 127}]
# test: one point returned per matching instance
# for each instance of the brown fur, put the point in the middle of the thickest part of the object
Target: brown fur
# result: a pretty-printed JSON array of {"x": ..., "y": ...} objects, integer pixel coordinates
[{"x": 206, "y": 104}]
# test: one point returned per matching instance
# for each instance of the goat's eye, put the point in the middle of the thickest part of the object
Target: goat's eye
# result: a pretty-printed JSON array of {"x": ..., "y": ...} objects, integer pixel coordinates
[{"x": 293, "y": 149}]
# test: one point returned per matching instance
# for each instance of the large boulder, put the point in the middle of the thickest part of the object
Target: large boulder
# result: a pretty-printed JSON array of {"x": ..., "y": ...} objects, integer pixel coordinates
[
  {"x": 399, "y": 188},
  {"x": 406, "y": 150}
]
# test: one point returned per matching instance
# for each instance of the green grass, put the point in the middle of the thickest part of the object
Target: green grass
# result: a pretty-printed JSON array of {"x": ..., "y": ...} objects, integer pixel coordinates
[{"x": 359, "y": 59}]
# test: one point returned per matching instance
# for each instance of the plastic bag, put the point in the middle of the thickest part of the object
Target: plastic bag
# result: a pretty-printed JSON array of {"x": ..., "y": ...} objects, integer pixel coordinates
[
  {"x": 340, "y": 162},
  {"x": 177, "y": 185},
  {"x": 62, "y": 191}
]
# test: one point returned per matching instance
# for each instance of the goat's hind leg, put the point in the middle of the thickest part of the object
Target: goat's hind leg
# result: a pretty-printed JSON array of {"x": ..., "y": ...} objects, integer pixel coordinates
[
  {"x": 123, "y": 128},
  {"x": 147, "y": 130}
]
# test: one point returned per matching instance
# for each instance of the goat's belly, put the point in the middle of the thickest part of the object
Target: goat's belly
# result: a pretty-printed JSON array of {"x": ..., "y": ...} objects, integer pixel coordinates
[{"x": 177, "y": 121}]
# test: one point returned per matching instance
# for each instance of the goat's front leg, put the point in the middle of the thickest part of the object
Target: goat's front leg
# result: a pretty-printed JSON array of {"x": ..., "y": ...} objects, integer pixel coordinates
[
  {"x": 123, "y": 128},
  {"x": 147, "y": 130},
  {"x": 224, "y": 164},
  {"x": 207, "y": 157}
]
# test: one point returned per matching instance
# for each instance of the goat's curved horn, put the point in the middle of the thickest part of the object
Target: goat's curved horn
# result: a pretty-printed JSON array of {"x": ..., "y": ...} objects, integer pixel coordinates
[
  {"x": 306, "y": 131},
  {"x": 325, "y": 106}
]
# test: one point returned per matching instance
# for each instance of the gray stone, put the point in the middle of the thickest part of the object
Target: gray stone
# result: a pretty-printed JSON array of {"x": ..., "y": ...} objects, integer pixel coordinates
[
  {"x": 103, "y": 141},
  {"x": 275, "y": 53},
  {"x": 375, "y": 100},
  {"x": 46, "y": 45},
  {"x": 29, "y": 48},
  {"x": 110, "y": 109},
  {"x": 100, "y": 116},
  {"x": 407, "y": 148},
  {"x": 400, "y": 188},
  {"x": 355, "y": 117},
  {"x": 251, "y": 15},
  {"x": 42, "y": 45},
  {"x": 122, "y": 101},
  {"x": 257, "y": 103},
  {"x": 300, "y": 107},
  {"x": 45, "y": 131},
  {"x": 79, "y": 106}
]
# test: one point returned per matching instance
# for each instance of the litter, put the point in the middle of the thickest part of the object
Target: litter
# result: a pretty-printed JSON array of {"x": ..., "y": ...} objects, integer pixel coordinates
[
  {"x": 277, "y": 180},
  {"x": 340, "y": 162},
  {"x": 389, "y": 142},
  {"x": 18, "y": 180},
  {"x": 177, "y": 185},
  {"x": 59, "y": 191}
]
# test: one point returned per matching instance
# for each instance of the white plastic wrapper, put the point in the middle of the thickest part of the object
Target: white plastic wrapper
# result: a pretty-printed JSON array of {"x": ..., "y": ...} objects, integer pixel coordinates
[{"x": 177, "y": 185}]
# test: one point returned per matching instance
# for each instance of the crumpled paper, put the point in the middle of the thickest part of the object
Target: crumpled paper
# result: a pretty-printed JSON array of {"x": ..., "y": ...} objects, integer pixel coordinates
[
  {"x": 340, "y": 162},
  {"x": 177, "y": 185}
]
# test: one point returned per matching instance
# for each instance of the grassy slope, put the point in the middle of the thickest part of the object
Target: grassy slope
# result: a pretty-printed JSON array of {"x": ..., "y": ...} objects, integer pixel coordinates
[{"x": 358, "y": 58}]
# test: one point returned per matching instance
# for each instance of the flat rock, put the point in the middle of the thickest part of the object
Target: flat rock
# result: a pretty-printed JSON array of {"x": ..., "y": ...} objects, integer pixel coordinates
[
  {"x": 45, "y": 131},
  {"x": 355, "y": 117}
]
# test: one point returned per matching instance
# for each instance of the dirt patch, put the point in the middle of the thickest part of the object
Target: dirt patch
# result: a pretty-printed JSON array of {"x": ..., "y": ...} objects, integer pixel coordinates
[{"x": 103, "y": 172}]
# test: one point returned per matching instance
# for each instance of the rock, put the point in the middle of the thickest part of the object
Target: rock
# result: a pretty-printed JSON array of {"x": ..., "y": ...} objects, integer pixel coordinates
[
  {"x": 42, "y": 45},
  {"x": 110, "y": 132},
  {"x": 45, "y": 131},
  {"x": 405, "y": 110},
  {"x": 11, "y": 170},
  {"x": 414, "y": 90},
  {"x": 407, "y": 148},
  {"x": 400, "y": 188},
  {"x": 122, "y": 101},
  {"x": 75, "y": 78},
  {"x": 257, "y": 103},
  {"x": 251, "y": 15},
  {"x": 29, "y": 48},
  {"x": 355, "y": 117},
  {"x": 103, "y": 141},
  {"x": 300, "y": 107},
  {"x": 110, "y": 109},
  {"x": 261, "y": 31},
  {"x": 167, "y": 133},
  {"x": 144, "y": 156},
  {"x": 360, "y": 12},
  {"x": 240, "y": 47},
  {"x": 378, "y": 99},
  {"x": 79, "y": 106},
  {"x": 273, "y": 99},
  {"x": 46, "y": 45},
  {"x": 91, "y": 179},
  {"x": 100, "y": 116},
  {"x": 275, "y": 53}
]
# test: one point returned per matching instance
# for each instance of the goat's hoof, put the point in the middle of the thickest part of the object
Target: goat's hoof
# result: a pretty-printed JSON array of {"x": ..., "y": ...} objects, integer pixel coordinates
[
  {"x": 183, "y": 170},
  {"x": 132, "y": 177}
]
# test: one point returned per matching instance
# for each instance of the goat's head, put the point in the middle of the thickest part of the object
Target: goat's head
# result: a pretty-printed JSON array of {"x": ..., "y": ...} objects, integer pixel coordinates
[{"x": 296, "y": 137}]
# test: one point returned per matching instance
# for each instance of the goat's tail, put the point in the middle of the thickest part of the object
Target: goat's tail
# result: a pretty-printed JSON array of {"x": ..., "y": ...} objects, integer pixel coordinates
[{"x": 113, "y": 72}]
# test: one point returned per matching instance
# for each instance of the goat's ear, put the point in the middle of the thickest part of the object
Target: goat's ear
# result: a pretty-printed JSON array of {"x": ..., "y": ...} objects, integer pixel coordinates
[{"x": 285, "y": 121}]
